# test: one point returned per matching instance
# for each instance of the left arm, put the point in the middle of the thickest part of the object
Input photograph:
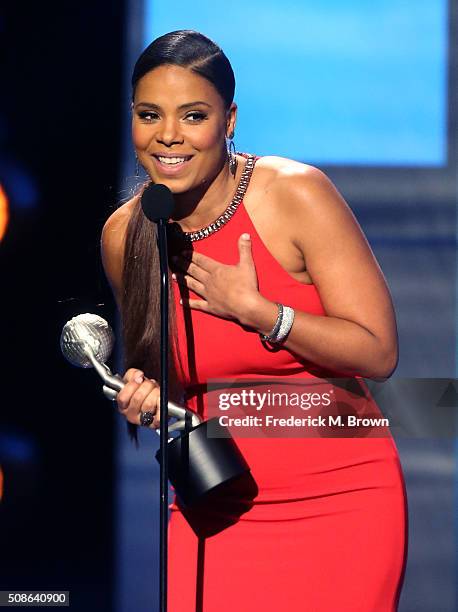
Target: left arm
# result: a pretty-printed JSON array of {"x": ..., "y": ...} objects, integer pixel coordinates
[{"x": 358, "y": 336}]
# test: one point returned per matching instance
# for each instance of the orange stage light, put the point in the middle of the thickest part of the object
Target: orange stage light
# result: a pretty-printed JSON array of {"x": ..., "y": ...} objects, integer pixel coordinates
[{"x": 4, "y": 212}]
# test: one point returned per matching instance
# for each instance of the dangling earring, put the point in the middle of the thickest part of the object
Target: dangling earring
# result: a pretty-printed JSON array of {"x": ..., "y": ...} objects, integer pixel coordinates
[
  {"x": 232, "y": 155},
  {"x": 137, "y": 166}
]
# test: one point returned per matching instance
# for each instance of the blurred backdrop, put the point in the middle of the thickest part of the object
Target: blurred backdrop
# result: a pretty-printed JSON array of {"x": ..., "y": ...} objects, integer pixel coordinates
[{"x": 367, "y": 92}]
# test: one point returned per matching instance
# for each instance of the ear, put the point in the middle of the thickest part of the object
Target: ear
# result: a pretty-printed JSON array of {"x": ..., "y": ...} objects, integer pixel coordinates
[{"x": 231, "y": 120}]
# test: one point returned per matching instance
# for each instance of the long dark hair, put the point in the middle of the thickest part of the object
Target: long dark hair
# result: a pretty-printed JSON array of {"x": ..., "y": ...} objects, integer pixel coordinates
[{"x": 140, "y": 304}]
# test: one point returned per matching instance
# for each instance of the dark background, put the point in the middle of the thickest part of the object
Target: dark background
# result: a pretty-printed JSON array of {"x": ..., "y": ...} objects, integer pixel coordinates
[{"x": 60, "y": 109}]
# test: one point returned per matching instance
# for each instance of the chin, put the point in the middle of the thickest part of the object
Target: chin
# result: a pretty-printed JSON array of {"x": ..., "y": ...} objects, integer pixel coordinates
[
  {"x": 176, "y": 186},
  {"x": 179, "y": 184}
]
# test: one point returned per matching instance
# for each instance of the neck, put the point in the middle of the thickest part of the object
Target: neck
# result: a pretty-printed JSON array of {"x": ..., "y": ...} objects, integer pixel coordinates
[{"x": 200, "y": 206}]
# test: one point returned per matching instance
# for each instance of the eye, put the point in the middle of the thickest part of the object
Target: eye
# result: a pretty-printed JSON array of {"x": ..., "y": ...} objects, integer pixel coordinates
[
  {"x": 195, "y": 116},
  {"x": 148, "y": 116}
]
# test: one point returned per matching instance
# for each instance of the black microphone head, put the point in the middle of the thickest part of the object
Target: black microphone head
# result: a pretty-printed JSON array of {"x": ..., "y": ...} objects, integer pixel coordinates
[{"x": 157, "y": 202}]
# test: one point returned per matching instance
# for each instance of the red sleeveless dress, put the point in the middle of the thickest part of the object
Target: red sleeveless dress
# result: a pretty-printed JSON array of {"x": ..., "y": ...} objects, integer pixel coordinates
[{"x": 327, "y": 528}]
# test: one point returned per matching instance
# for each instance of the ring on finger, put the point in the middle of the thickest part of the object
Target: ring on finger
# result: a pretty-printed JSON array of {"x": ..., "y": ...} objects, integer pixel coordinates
[{"x": 146, "y": 418}]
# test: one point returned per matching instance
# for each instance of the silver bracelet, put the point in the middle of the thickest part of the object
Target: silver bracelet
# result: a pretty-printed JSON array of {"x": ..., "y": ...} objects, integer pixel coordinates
[
  {"x": 286, "y": 324},
  {"x": 282, "y": 325},
  {"x": 276, "y": 327}
]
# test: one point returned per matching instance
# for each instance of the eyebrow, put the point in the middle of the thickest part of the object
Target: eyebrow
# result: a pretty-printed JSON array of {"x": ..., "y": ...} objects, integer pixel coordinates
[{"x": 181, "y": 107}]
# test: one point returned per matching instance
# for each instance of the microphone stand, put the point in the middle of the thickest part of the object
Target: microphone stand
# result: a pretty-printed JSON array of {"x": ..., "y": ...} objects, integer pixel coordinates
[{"x": 163, "y": 259}]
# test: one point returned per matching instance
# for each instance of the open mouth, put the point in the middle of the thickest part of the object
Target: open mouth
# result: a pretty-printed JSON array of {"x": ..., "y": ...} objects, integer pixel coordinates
[{"x": 169, "y": 161}]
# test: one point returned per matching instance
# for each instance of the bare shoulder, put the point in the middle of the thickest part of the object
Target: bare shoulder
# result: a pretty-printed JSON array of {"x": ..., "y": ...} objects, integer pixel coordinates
[
  {"x": 314, "y": 210},
  {"x": 274, "y": 163},
  {"x": 339, "y": 259},
  {"x": 297, "y": 195},
  {"x": 297, "y": 180},
  {"x": 117, "y": 222},
  {"x": 113, "y": 242}
]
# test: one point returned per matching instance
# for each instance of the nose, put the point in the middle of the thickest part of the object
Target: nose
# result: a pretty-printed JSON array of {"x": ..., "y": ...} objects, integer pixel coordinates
[{"x": 169, "y": 132}]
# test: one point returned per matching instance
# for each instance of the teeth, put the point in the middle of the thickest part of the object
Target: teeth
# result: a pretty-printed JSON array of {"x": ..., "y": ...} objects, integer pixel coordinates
[{"x": 172, "y": 160}]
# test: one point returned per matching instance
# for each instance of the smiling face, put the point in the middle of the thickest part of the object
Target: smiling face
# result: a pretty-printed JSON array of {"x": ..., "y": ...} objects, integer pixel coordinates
[{"x": 179, "y": 126}]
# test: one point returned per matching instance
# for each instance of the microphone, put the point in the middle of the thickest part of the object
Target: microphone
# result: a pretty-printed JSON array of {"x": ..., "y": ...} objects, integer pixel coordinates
[
  {"x": 157, "y": 203},
  {"x": 87, "y": 341}
]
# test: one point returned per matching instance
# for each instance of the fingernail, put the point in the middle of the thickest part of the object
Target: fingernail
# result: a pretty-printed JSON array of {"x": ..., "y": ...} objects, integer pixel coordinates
[
  {"x": 138, "y": 378},
  {"x": 246, "y": 236},
  {"x": 174, "y": 276}
]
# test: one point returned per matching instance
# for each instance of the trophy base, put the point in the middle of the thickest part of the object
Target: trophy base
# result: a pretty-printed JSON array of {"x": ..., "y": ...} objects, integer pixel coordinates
[{"x": 198, "y": 464}]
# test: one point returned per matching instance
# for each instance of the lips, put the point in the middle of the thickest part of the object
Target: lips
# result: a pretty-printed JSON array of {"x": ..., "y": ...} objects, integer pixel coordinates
[
  {"x": 171, "y": 160},
  {"x": 171, "y": 163}
]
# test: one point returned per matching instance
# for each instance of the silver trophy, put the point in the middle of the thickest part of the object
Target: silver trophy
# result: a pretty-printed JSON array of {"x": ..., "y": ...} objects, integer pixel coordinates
[
  {"x": 199, "y": 461},
  {"x": 87, "y": 341}
]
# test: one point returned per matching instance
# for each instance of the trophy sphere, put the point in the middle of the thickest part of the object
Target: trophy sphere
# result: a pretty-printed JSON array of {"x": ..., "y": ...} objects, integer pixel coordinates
[{"x": 86, "y": 329}]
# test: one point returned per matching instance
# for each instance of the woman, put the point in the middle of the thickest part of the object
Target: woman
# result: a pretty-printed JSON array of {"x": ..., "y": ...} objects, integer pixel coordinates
[{"x": 285, "y": 284}]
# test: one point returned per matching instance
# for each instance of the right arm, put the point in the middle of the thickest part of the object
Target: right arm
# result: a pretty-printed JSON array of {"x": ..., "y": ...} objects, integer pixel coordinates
[{"x": 139, "y": 394}]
